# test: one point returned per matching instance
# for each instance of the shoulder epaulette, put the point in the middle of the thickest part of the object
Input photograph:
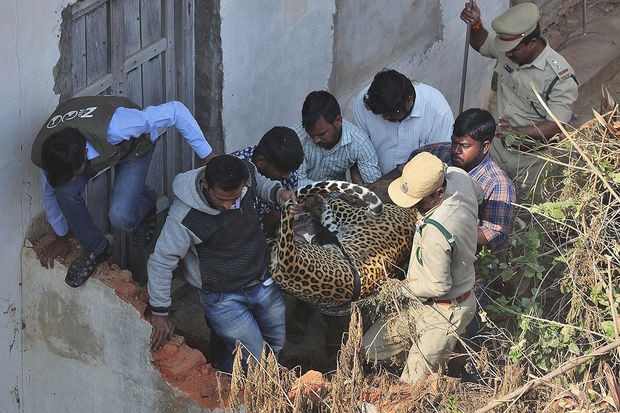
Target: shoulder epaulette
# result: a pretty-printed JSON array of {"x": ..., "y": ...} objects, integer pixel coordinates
[{"x": 561, "y": 70}]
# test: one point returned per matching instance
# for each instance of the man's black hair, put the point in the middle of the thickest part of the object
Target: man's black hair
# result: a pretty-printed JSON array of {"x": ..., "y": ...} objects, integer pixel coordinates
[
  {"x": 62, "y": 154},
  {"x": 388, "y": 93},
  {"x": 319, "y": 103},
  {"x": 477, "y": 123},
  {"x": 281, "y": 147},
  {"x": 534, "y": 35},
  {"x": 226, "y": 172}
]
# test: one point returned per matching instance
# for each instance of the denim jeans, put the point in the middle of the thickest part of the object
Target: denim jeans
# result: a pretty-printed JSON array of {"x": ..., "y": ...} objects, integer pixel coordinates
[
  {"x": 252, "y": 315},
  {"x": 130, "y": 201}
]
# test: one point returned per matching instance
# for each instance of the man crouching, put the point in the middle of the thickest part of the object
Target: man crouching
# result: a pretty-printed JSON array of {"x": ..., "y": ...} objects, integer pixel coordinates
[{"x": 441, "y": 271}]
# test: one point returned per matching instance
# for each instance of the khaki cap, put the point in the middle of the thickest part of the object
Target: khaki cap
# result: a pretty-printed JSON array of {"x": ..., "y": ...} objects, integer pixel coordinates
[
  {"x": 422, "y": 176},
  {"x": 512, "y": 26}
]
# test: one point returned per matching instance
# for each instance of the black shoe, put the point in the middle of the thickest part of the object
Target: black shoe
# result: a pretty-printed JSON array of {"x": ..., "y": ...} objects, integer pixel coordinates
[
  {"x": 82, "y": 268},
  {"x": 145, "y": 231}
]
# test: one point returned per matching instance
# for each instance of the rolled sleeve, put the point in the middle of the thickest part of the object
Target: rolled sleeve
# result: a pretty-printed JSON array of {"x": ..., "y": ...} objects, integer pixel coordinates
[
  {"x": 130, "y": 123},
  {"x": 488, "y": 47},
  {"x": 367, "y": 160}
]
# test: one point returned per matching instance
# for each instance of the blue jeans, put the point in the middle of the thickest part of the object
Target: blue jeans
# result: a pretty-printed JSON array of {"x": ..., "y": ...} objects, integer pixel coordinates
[
  {"x": 252, "y": 315},
  {"x": 130, "y": 201}
]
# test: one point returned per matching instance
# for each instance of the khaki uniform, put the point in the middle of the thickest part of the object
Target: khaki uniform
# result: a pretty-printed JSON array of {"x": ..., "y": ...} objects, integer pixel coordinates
[
  {"x": 517, "y": 103},
  {"x": 440, "y": 268}
]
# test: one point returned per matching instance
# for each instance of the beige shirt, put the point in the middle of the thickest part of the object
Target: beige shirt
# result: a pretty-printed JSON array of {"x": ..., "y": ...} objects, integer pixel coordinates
[
  {"x": 516, "y": 100},
  {"x": 437, "y": 269}
]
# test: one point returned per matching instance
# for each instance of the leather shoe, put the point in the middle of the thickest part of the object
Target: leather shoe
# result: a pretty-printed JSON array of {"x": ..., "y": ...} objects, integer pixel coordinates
[{"x": 82, "y": 268}]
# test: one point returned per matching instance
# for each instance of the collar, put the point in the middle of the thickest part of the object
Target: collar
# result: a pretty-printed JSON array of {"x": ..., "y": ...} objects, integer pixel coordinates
[
  {"x": 481, "y": 166},
  {"x": 416, "y": 111},
  {"x": 541, "y": 60},
  {"x": 345, "y": 137}
]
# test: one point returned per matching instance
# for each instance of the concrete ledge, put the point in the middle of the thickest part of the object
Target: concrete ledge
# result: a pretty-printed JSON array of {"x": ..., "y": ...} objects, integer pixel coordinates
[{"x": 87, "y": 349}]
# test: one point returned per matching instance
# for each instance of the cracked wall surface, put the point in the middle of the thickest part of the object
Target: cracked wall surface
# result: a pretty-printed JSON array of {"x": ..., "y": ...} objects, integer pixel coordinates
[
  {"x": 209, "y": 72},
  {"x": 29, "y": 51},
  {"x": 87, "y": 349}
]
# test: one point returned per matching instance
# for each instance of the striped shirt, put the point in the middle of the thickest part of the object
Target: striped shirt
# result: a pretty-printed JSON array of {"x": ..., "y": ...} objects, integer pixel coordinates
[
  {"x": 430, "y": 121},
  {"x": 290, "y": 183},
  {"x": 322, "y": 164},
  {"x": 495, "y": 212}
]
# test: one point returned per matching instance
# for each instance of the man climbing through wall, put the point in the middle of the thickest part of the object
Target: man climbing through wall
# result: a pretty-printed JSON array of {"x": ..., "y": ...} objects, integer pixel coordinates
[
  {"x": 440, "y": 277},
  {"x": 523, "y": 55},
  {"x": 213, "y": 226},
  {"x": 81, "y": 138},
  {"x": 277, "y": 156}
]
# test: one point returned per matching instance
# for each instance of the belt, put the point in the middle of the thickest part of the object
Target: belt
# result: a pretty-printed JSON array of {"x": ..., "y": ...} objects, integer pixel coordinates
[
  {"x": 458, "y": 299},
  {"x": 262, "y": 279}
]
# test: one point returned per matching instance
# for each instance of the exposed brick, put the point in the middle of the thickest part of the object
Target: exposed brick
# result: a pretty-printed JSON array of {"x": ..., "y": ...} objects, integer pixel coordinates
[
  {"x": 312, "y": 382},
  {"x": 186, "y": 369}
]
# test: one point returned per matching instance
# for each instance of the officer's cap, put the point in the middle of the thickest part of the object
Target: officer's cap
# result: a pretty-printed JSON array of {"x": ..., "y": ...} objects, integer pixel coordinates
[
  {"x": 422, "y": 176},
  {"x": 512, "y": 26}
]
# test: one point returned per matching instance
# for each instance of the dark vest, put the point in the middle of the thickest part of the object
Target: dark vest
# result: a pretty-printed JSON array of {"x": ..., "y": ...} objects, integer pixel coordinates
[
  {"x": 91, "y": 115},
  {"x": 234, "y": 251}
]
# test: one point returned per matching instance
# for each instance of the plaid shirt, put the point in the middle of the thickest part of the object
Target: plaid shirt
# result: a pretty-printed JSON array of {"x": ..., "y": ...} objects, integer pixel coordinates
[
  {"x": 290, "y": 183},
  {"x": 495, "y": 212},
  {"x": 354, "y": 147}
]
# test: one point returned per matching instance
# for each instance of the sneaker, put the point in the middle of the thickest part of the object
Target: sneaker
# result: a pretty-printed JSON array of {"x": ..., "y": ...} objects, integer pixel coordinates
[
  {"x": 145, "y": 231},
  {"x": 82, "y": 268}
]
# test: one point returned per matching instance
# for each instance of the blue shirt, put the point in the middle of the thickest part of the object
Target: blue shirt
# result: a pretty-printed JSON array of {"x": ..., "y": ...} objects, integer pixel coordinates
[{"x": 127, "y": 124}]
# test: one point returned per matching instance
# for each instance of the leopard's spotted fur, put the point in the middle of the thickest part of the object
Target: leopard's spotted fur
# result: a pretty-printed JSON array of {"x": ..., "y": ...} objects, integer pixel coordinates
[{"x": 376, "y": 239}]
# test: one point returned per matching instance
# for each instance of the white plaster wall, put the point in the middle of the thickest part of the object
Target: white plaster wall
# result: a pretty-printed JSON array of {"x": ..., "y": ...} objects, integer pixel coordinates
[
  {"x": 441, "y": 64},
  {"x": 274, "y": 53},
  {"x": 372, "y": 35},
  {"x": 29, "y": 50},
  {"x": 86, "y": 350}
]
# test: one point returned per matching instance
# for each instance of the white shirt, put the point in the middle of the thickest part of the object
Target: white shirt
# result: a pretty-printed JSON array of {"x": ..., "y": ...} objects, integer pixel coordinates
[{"x": 430, "y": 121}]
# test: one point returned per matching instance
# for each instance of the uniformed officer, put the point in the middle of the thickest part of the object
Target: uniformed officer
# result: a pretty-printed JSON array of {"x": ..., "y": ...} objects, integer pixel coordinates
[
  {"x": 441, "y": 269},
  {"x": 523, "y": 56}
]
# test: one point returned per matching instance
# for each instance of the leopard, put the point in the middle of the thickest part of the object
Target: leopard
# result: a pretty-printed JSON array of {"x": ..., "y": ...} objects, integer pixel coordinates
[{"x": 373, "y": 241}]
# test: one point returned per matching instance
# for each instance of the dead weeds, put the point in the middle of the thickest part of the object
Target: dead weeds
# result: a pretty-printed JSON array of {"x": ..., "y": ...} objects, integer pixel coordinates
[{"x": 574, "y": 301}]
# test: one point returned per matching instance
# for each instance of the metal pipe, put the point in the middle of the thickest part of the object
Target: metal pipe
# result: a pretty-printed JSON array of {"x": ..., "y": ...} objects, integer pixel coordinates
[
  {"x": 584, "y": 11},
  {"x": 465, "y": 57}
]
